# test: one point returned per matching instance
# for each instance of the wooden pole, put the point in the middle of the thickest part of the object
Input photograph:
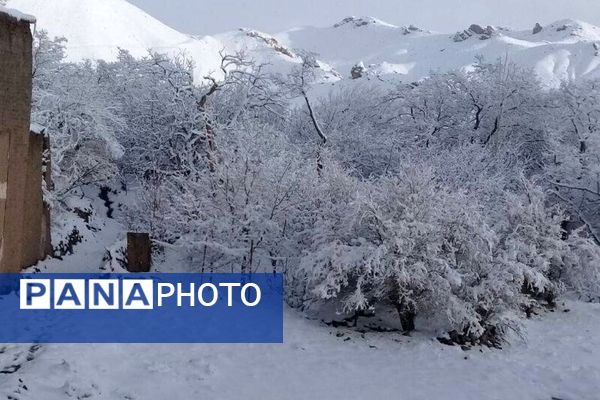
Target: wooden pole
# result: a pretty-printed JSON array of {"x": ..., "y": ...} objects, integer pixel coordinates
[{"x": 139, "y": 252}]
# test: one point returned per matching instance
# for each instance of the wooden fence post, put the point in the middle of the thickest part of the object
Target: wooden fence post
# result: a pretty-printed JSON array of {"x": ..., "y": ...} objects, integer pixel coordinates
[{"x": 139, "y": 252}]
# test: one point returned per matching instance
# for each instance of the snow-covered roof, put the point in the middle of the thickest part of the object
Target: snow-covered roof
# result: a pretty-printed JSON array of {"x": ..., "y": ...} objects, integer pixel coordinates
[{"x": 18, "y": 15}]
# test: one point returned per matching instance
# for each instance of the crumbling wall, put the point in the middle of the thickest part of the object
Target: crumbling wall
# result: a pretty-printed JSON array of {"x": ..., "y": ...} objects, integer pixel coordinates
[
  {"x": 36, "y": 233},
  {"x": 21, "y": 204}
]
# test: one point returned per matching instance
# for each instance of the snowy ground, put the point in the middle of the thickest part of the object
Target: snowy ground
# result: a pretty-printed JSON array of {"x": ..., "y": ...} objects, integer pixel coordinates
[{"x": 559, "y": 358}]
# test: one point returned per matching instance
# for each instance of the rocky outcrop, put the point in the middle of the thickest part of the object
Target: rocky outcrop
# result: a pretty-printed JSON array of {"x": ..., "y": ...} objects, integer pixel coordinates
[
  {"x": 356, "y": 22},
  {"x": 537, "y": 28},
  {"x": 461, "y": 36},
  {"x": 359, "y": 22},
  {"x": 358, "y": 70},
  {"x": 407, "y": 30},
  {"x": 475, "y": 31},
  {"x": 269, "y": 41}
]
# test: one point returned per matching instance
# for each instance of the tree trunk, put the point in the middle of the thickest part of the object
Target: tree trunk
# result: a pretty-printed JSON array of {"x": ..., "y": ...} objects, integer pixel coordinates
[
  {"x": 407, "y": 316},
  {"x": 313, "y": 118}
]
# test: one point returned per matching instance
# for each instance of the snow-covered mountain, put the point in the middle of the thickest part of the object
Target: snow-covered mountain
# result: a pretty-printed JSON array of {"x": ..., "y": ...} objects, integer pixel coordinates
[
  {"x": 96, "y": 29},
  {"x": 563, "y": 50}
]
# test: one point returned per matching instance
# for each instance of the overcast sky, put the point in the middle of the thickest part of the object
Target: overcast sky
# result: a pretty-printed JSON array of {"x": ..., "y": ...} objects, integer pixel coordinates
[{"x": 213, "y": 16}]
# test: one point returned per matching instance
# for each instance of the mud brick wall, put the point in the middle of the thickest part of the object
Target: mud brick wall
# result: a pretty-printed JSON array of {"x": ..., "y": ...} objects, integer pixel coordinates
[
  {"x": 21, "y": 205},
  {"x": 35, "y": 220}
]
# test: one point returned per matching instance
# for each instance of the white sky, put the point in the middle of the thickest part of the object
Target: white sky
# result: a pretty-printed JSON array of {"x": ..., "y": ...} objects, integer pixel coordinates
[{"x": 214, "y": 16}]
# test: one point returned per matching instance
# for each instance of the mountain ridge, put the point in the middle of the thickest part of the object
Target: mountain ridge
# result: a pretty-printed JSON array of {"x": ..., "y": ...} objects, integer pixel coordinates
[{"x": 563, "y": 50}]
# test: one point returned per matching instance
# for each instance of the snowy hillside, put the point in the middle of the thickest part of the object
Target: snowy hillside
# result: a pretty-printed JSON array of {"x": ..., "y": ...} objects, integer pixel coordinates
[
  {"x": 97, "y": 29},
  {"x": 562, "y": 50},
  {"x": 267, "y": 50}
]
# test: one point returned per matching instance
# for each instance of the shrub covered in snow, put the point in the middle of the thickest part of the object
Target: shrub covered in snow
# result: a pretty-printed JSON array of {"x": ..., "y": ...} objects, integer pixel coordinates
[{"x": 410, "y": 243}]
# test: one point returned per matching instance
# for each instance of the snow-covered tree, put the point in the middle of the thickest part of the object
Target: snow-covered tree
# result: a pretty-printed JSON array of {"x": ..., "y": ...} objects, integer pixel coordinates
[
  {"x": 449, "y": 200},
  {"x": 573, "y": 165},
  {"x": 78, "y": 114}
]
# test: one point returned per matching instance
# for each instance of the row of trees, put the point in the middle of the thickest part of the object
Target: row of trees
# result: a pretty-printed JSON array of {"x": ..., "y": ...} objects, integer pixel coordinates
[{"x": 465, "y": 199}]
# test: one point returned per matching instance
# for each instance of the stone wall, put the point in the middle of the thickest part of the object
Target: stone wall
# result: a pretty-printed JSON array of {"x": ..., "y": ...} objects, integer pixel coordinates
[{"x": 23, "y": 224}]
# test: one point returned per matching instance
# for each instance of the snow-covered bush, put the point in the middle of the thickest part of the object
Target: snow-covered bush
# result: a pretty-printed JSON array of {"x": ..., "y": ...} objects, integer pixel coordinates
[
  {"x": 581, "y": 271},
  {"x": 408, "y": 242},
  {"x": 532, "y": 244},
  {"x": 549, "y": 261}
]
